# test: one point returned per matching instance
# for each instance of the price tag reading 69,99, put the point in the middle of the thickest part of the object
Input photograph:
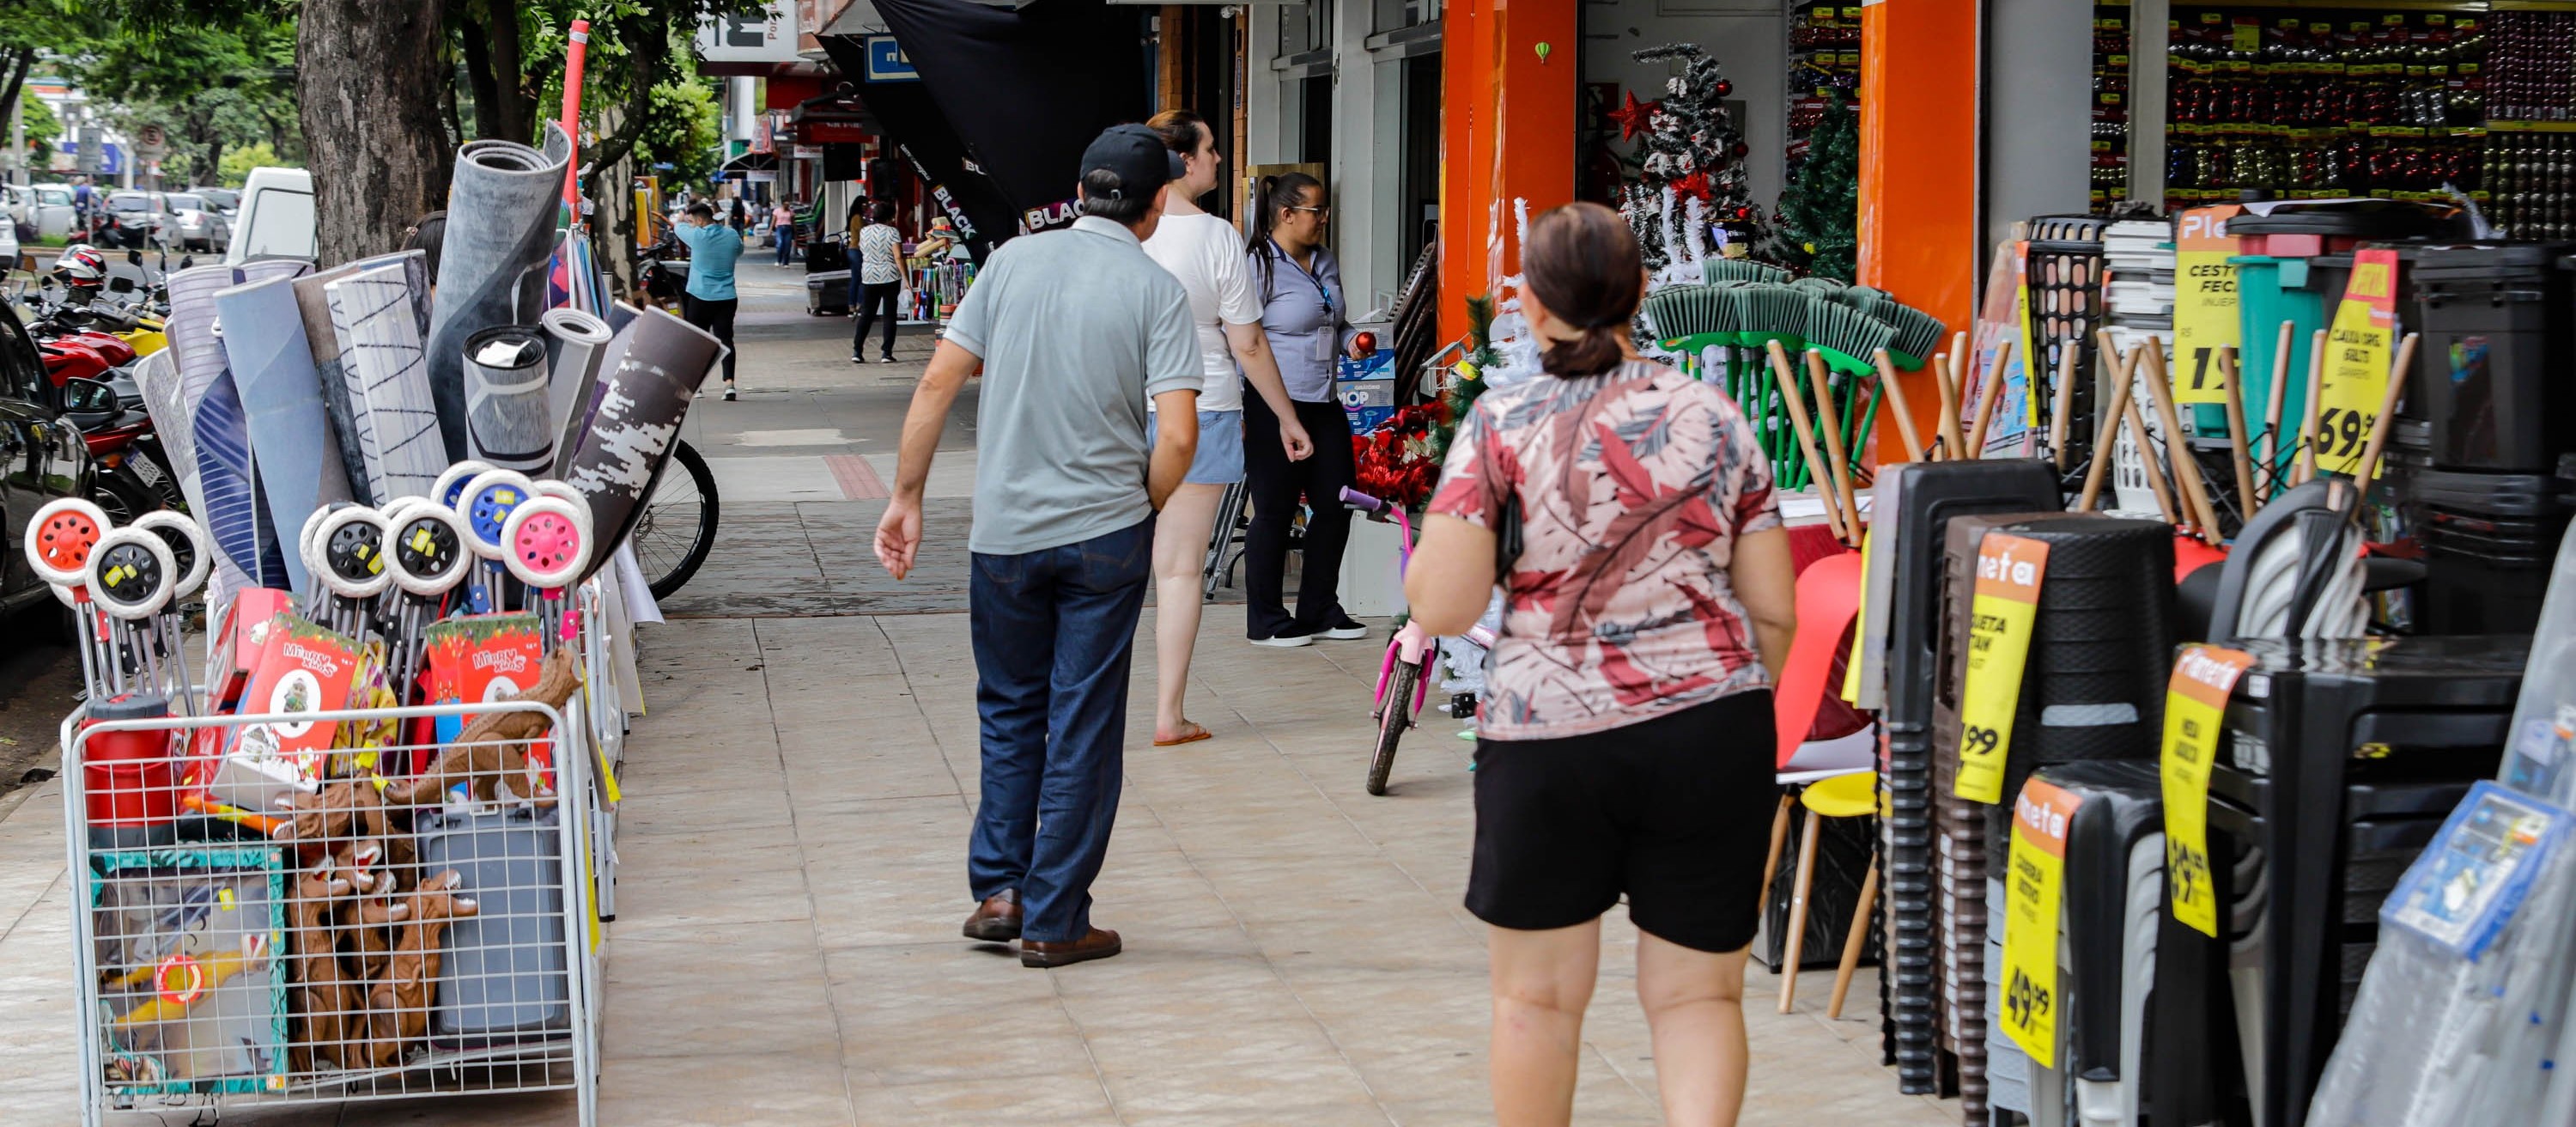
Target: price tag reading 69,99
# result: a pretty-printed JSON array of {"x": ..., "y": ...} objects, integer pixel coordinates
[
  {"x": 2009, "y": 571},
  {"x": 2195, "y": 714}
]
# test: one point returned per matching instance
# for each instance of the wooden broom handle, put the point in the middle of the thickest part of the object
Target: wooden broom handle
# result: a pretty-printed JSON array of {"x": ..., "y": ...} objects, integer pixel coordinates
[
  {"x": 2388, "y": 400},
  {"x": 2186, "y": 469},
  {"x": 2064, "y": 400},
  {"x": 2308, "y": 416},
  {"x": 1828, "y": 423},
  {"x": 1797, "y": 408},
  {"x": 2147, "y": 456},
  {"x": 2108, "y": 435},
  {"x": 2273, "y": 399},
  {"x": 2246, "y": 502},
  {"x": 1894, "y": 392},
  {"x": 1987, "y": 397}
]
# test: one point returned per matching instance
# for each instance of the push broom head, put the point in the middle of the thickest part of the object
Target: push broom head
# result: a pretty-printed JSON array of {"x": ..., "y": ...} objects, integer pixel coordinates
[
  {"x": 1848, "y": 338},
  {"x": 1773, "y": 312},
  {"x": 1687, "y": 319},
  {"x": 1740, "y": 270},
  {"x": 1918, "y": 334}
]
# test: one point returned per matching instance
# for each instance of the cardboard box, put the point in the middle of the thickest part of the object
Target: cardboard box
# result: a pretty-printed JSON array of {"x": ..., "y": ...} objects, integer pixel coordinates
[
  {"x": 1369, "y": 403},
  {"x": 238, "y": 640},
  {"x": 480, "y": 657},
  {"x": 301, "y": 668}
]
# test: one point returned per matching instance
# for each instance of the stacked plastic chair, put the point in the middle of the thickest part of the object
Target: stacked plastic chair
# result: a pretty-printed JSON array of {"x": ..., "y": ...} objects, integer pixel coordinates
[{"x": 1917, "y": 501}]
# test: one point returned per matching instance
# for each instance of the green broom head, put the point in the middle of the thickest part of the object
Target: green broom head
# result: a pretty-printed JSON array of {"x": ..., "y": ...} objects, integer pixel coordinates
[
  {"x": 1740, "y": 270},
  {"x": 1689, "y": 318},
  {"x": 1848, "y": 338},
  {"x": 1867, "y": 300},
  {"x": 1918, "y": 334},
  {"x": 1774, "y": 312},
  {"x": 1821, "y": 287}
]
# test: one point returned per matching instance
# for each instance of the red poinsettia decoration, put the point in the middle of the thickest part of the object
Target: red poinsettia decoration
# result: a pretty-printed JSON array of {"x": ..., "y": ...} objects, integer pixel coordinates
[
  {"x": 1394, "y": 461},
  {"x": 1695, "y": 185},
  {"x": 1635, "y": 117}
]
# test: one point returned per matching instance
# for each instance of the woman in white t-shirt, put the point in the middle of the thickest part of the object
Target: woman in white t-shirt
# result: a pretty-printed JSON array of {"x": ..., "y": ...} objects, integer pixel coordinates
[{"x": 1206, "y": 254}]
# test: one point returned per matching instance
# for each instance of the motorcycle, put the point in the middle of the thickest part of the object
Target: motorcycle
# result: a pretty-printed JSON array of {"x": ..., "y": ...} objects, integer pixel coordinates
[
  {"x": 662, "y": 272},
  {"x": 90, "y": 376}
]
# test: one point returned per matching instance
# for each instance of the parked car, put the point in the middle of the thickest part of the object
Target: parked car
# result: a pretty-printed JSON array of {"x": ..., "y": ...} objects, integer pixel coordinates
[
  {"x": 132, "y": 220},
  {"x": 276, "y": 219},
  {"x": 194, "y": 223},
  {"x": 45, "y": 207},
  {"x": 226, "y": 201},
  {"x": 9, "y": 251},
  {"x": 42, "y": 457}
]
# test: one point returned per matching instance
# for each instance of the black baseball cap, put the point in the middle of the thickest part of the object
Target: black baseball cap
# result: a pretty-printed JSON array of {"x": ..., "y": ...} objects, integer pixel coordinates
[{"x": 1136, "y": 155}]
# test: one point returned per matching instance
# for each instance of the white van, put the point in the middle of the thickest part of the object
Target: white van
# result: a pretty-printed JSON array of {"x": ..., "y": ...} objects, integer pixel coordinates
[{"x": 276, "y": 217}]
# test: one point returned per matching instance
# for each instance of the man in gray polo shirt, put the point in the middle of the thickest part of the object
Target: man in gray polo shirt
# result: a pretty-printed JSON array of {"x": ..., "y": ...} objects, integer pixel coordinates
[{"x": 1075, "y": 330}]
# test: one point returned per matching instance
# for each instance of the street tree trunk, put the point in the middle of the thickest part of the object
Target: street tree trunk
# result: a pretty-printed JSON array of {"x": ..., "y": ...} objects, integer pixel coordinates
[{"x": 368, "y": 79}]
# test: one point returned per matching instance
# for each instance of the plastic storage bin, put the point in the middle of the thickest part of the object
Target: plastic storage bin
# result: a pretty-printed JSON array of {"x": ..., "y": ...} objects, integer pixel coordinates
[
  {"x": 2488, "y": 541},
  {"x": 2491, "y": 370},
  {"x": 827, "y": 293}
]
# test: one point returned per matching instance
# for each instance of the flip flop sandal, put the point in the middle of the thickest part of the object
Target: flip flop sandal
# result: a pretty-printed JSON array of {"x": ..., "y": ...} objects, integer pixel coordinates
[{"x": 1201, "y": 734}]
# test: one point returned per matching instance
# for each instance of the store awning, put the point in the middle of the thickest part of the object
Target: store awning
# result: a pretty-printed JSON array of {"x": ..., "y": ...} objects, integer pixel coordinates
[{"x": 752, "y": 162}]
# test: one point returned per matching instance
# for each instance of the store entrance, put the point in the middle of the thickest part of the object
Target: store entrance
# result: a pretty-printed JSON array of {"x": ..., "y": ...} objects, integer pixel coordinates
[{"x": 1418, "y": 185}]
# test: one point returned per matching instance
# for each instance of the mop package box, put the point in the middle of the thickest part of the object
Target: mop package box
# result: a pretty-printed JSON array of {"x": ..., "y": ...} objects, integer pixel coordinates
[
  {"x": 301, "y": 668},
  {"x": 1367, "y": 389},
  {"x": 478, "y": 658},
  {"x": 239, "y": 638}
]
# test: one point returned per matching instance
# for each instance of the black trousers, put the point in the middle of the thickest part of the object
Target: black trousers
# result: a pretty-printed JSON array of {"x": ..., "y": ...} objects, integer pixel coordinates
[
  {"x": 871, "y": 296},
  {"x": 716, "y": 317},
  {"x": 1272, "y": 483}
]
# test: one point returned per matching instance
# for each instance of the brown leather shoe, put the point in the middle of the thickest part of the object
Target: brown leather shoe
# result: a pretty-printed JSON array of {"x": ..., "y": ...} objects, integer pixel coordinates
[
  {"x": 997, "y": 920},
  {"x": 1100, "y": 944}
]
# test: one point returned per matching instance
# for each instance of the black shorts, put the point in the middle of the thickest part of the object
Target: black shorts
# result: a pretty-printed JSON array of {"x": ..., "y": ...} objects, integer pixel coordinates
[{"x": 1675, "y": 812}]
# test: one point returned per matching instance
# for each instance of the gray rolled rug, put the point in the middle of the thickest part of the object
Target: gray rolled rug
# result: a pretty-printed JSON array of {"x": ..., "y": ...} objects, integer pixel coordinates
[
  {"x": 621, "y": 319},
  {"x": 575, "y": 341},
  {"x": 492, "y": 268},
  {"x": 638, "y": 416},
  {"x": 373, "y": 314},
  {"x": 343, "y": 397},
  {"x": 506, "y": 410}
]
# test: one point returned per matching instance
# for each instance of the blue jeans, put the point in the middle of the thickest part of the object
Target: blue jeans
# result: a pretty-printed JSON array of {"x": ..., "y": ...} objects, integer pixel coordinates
[{"x": 1053, "y": 631}]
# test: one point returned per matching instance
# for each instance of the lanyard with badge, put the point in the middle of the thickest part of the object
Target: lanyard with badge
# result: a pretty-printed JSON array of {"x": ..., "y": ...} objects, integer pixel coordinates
[{"x": 1324, "y": 337}]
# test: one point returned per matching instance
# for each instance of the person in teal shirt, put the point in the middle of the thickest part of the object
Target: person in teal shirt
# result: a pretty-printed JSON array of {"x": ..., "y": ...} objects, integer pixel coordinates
[{"x": 709, "y": 301}]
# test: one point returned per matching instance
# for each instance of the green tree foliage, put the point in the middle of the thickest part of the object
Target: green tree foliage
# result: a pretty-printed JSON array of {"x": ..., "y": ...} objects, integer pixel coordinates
[
  {"x": 42, "y": 128},
  {"x": 209, "y": 84},
  {"x": 1820, "y": 209}
]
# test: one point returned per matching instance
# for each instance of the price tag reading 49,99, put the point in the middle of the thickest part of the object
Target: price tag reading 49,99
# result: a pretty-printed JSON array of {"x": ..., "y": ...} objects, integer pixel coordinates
[
  {"x": 2195, "y": 715},
  {"x": 2033, "y": 889},
  {"x": 2009, "y": 571}
]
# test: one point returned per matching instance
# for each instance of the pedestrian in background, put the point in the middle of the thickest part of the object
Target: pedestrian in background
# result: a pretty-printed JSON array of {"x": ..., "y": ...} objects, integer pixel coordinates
[
  {"x": 709, "y": 301},
  {"x": 875, "y": 280},
  {"x": 1304, "y": 315},
  {"x": 1206, "y": 254},
  {"x": 782, "y": 227},
  {"x": 1076, "y": 331},
  {"x": 1625, "y": 744}
]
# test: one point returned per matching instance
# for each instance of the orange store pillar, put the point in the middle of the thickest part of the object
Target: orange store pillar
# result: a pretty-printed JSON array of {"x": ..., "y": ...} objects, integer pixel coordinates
[
  {"x": 1918, "y": 168},
  {"x": 1507, "y": 132}
]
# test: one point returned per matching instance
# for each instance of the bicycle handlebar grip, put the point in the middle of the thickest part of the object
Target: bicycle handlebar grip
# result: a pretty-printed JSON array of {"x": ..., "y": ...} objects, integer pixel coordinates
[{"x": 1361, "y": 501}]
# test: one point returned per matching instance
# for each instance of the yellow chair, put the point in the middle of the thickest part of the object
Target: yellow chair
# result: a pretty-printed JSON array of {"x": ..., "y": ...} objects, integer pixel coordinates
[{"x": 1850, "y": 795}]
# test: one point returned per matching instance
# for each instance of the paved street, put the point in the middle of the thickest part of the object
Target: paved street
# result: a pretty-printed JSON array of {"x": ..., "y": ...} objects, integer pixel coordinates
[{"x": 793, "y": 841}]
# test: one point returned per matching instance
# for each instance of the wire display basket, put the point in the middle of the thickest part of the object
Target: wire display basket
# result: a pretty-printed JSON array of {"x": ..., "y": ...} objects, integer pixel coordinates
[{"x": 402, "y": 911}]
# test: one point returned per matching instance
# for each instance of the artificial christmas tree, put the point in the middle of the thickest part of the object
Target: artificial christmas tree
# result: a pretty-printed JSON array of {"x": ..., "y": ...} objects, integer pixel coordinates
[
  {"x": 1819, "y": 213},
  {"x": 1689, "y": 198}
]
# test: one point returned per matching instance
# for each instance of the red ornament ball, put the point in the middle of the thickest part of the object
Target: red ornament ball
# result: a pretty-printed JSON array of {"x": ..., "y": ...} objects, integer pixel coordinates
[
  {"x": 1739, "y": 149},
  {"x": 1725, "y": 87}
]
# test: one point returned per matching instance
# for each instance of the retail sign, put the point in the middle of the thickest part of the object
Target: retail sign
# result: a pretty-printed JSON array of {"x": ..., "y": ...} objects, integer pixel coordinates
[
  {"x": 2357, "y": 358},
  {"x": 2205, "y": 311},
  {"x": 813, "y": 132},
  {"x": 2195, "y": 715},
  {"x": 807, "y": 152},
  {"x": 887, "y": 62},
  {"x": 2009, "y": 571},
  {"x": 2033, "y": 889},
  {"x": 1061, "y": 213},
  {"x": 764, "y": 36}
]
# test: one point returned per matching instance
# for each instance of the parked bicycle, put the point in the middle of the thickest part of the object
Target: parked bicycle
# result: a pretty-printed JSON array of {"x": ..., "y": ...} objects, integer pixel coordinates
[
  {"x": 1404, "y": 676},
  {"x": 678, "y": 525}
]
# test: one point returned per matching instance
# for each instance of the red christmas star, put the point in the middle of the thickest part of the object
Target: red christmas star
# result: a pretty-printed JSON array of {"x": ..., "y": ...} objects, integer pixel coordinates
[
  {"x": 1634, "y": 117},
  {"x": 1695, "y": 184}
]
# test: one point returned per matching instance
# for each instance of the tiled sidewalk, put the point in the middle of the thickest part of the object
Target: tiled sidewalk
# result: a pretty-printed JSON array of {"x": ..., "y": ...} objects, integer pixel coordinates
[{"x": 793, "y": 878}]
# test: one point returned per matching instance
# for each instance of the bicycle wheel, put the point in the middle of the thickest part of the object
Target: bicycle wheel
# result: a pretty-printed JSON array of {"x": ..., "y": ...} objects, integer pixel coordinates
[
  {"x": 678, "y": 526},
  {"x": 1392, "y": 723}
]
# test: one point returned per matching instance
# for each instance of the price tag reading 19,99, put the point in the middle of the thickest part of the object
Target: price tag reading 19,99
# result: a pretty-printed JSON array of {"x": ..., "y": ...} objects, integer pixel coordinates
[
  {"x": 2032, "y": 892},
  {"x": 2009, "y": 570},
  {"x": 2205, "y": 315},
  {"x": 2195, "y": 711}
]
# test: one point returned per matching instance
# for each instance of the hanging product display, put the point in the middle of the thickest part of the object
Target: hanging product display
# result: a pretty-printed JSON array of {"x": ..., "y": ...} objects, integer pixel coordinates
[
  {"x": 2110, "y": 127},
  {"x": 492, "y": 268},
  {"x": 1824, "y": 70}
]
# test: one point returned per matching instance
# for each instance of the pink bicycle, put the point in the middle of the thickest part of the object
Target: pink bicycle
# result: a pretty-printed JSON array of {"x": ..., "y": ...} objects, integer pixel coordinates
[{"x": 1404, "y": 675}]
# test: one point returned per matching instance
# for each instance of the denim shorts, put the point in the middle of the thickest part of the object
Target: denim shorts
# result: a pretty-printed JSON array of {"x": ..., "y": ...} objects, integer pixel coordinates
[{"x": 1220, "y": 457}]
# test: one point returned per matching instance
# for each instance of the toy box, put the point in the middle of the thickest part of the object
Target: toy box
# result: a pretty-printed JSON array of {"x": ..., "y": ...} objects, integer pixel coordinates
[
  {"x": 301, "y": 668},
  {"x": 239, "y": 639}
]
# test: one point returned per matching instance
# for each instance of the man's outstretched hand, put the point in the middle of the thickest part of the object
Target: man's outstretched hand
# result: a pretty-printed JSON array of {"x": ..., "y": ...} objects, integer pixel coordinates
[{"x": 899, "y": 536}]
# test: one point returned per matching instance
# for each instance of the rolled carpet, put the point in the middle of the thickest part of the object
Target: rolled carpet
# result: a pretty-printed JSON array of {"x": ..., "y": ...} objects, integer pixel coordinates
[
  {"x": 506, "y": 412},
  {"x": 638, "y": 415},
  {"x": 272, "y": 365},
  {"x": 575, "y": 341},
  {"x": 197, "y": 357},
  {"x": 342, "y": 397},
  {"x": 621, "y": 322},
  {"x": 373, "y": 313},
  {"x": 492, "y": 269}
]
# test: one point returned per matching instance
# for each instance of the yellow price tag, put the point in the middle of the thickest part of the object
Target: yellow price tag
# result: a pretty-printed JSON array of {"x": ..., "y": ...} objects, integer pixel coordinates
[
  {"x": 2009, "y": 570},
  {"x": 2041, "y": 816},
  {"x": 2195, "y": 713},
  {"x": 2357, "y": 358},
  {"x": 2205, "y": 313}
]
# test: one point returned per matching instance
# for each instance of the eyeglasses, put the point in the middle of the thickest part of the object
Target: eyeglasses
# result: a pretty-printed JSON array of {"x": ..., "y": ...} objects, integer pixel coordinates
[{"x": 1319, "y": 211}]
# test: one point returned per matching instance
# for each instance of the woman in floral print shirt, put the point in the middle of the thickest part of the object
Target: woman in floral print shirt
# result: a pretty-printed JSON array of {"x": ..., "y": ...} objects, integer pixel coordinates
[{"x": 1625, "y": 746}]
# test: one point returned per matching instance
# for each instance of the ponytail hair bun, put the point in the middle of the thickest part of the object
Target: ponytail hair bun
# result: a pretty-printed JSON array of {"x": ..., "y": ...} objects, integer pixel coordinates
[{"x": 1581, "y": 262}]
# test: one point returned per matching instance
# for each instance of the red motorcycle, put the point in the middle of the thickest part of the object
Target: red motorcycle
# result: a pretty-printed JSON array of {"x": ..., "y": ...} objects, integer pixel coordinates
[{"x": 84, "y": 369}]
